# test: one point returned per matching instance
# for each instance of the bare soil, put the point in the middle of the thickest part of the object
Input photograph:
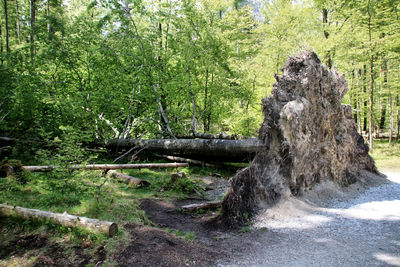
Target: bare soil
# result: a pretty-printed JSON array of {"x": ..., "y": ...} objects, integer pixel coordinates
[{"x": 22, "y": 248}]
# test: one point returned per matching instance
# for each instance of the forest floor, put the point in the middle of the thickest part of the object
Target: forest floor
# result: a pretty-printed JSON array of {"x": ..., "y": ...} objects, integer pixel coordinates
[{"x": 355, "y": 226}]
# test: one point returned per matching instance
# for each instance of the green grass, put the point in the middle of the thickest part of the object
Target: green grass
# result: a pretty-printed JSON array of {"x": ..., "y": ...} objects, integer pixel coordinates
[
  {"x": 79, "y": 193},
  {"x": 187, "y": 235},
  {"x": 387, "y": 156}
]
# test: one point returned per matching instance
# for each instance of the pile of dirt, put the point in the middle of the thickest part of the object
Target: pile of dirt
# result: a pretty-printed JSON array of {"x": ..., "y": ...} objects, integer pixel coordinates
[
  {"x": 150, "y": 246},
  {"x": 308, "y": 137}
]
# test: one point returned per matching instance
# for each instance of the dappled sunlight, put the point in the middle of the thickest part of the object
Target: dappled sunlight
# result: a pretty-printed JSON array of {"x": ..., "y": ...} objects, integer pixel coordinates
[
  {"x": 296, "y": 223},
  {"x": 375, "y": 210},
  {"x": 388, "y": 258}
]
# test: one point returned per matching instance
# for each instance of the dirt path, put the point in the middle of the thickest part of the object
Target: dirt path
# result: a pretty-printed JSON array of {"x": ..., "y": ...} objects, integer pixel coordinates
[{"x": 360, "y": 231}]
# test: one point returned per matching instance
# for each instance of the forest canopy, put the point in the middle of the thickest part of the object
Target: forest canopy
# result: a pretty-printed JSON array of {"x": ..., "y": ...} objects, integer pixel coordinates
[{"x": 85, "y": 71}]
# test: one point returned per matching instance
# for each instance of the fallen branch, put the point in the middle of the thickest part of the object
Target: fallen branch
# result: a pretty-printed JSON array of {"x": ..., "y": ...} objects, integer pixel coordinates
[
  {"x": 132, "y": 181},
  {"x": 64, "y": 219},
  {"x": 108, "y": 166},
  {"x": 217, "y": 165},
  {"x": 202, "y": 206}
]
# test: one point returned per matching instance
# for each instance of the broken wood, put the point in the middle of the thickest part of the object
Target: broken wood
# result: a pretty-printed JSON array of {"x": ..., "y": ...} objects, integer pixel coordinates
[
  {"x": 108, "y": 166},
  {"x": 210, "y": 149},
  {"x": 64, "y": 219},
  {"x": 202, "y": 206},
  {"x": 132, "y": 181}
]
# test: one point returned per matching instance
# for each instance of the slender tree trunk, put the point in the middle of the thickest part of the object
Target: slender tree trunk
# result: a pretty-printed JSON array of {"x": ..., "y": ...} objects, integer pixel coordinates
[
  {"x": 48, "y": 15},
  {"x": 1, "y": 43},
  {"x": 365, "y": 101},
  {"x": 371, "y": 91},
  {"x": 371, "y": 107},
  {"x": 398, "y": 117},
  {"x": 18, "y": 22},
  {"x": 326, "y": 35},
  {"x": 391, "y": 119},
  {"x": 32, "y": 37},
  {"x": 7, "y": 30},
  {"x": 384, "y": 102},
  {"x": 205, "y": 103}
]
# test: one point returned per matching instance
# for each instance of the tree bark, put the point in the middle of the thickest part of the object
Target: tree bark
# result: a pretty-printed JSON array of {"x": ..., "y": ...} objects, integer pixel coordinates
[
  {"x": 365, "y": 102},
  {"x": 217, "y": 150},
  {"x": 65, "y": 219},
  {"x": 132, "y": 181},
  {"x": 32, "y": 37},
  {"x": 107, "y": 166},
  {"x": 1, "y": 42},
  {"x": 18, "y": 22},
  {"x": 371, "y": 103},
  {"x": 7, "y": 30}
]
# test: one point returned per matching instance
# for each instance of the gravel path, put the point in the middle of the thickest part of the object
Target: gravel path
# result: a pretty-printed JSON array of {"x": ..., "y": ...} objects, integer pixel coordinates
[{"x": 360, "y": 231}]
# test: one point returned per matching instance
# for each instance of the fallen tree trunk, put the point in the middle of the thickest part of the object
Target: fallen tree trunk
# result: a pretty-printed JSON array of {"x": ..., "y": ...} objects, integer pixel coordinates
[
  {"x": 210, "y": 149},
  {"x": 7, "y": 139},
  {"x": 217, "y": 165},
  {"x": 211, "y": 136},
  {"x": 191, "y": 161},
  {"x": 132, "y": 181},
  {"x": 108, "y": 166},
  {"x": 64, "y": 219},
  {"x": 202, "y": 206}
]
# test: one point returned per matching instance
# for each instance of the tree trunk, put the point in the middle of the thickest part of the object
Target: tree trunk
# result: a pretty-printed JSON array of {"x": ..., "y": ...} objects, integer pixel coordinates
[
  {"x": 108, "y": 166},
  {"x": 1, "y": 43},
  {"x": 132, "y": 181},
  {"x": 365, "y": 102},
  {"x": 217, "y": 150},
  {"x": 18, "y": 22},
  {"x": 384, "y": 104},
  {"x": 64, "y": 219},
  {"x": 391, "y": 119},
  {"x": 32, "y": 37},
  {"x": 205, "y": 128},
  {"x": 371, "y": 103},
  {"x": 7, "y": 30},
  {"x": 326, "y": 35},
  {"x": 222, "y": 135}
]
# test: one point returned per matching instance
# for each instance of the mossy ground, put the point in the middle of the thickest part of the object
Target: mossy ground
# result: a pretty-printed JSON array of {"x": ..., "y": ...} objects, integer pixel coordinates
[{"x": 80, "y": 193}]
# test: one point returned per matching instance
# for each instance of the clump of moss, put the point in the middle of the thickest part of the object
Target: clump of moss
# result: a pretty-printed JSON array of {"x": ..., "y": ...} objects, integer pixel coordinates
[{"x": 13, "y": 168}]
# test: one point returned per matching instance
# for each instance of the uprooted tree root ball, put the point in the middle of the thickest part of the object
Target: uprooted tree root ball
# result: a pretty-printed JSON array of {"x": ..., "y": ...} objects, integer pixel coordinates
[{"x": 308, "y": 136}]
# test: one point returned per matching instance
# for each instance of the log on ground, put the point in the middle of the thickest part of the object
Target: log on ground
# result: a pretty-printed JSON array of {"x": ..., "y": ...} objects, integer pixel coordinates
[
  {"x": 108, "y": 166},
  {"x": 202, "y": 206},
  {"x": 132, "y": 181},
  {"x": 64, "y": 219},
  {"x": 210, "y": 149}
]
